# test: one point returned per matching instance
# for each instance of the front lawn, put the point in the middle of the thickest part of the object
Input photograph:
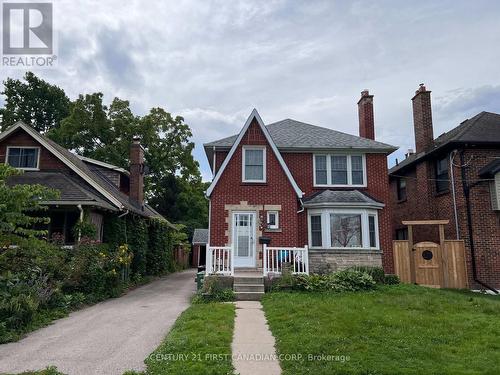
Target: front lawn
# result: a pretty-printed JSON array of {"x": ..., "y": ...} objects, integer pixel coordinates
[
  {"x": 400, "y": 329},
  {"x": 199, "y": 343}
]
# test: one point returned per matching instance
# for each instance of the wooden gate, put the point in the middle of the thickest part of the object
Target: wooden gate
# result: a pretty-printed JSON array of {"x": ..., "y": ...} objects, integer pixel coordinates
[{"x": 427, "y": 263}]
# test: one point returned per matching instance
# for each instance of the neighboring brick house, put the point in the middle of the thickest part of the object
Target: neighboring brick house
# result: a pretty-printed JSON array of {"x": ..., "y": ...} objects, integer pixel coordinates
[
  {"x": 426, "y": 186},
  {"x": 297, "y": 184},
  {"x": 88, "y": 188}
]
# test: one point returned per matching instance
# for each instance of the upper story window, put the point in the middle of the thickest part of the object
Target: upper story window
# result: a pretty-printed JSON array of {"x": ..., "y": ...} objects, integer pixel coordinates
[
  {"x": 401, "y": 189},
  {"x": 254, "y": 164},
  {"x": 23, "y": 157},
  {"x": 339, "y": 170},
  {"x": 442, "y": 175}
]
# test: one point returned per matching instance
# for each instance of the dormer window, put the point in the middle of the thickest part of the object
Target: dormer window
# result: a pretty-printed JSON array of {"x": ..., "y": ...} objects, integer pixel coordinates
[
  {"x": 26, "y": 158},
  {"x": 254, "y": 164}
]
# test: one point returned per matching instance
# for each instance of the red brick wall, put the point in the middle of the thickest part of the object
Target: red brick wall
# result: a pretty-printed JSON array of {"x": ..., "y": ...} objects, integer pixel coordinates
[
  {"x": 21, "y": 138},
  {"x": 424, "y": 203},
  {"x": 276, "y": 191}
]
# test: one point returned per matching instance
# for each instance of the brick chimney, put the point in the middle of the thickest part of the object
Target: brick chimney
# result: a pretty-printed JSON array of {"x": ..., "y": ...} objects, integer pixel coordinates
[
  {"x": 365, "y": 112},
  {"x": 137, "y": 171},
  {"x": 422, "y": 118}
]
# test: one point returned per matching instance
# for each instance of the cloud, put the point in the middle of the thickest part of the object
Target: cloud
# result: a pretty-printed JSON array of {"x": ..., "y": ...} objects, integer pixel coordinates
[{"x": 213, "y": 61}]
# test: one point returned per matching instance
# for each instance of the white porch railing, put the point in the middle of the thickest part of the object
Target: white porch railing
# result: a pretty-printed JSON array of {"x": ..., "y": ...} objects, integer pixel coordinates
[
  {"x": 220, "y": 260},
  {"x": 296, "y": 258}
]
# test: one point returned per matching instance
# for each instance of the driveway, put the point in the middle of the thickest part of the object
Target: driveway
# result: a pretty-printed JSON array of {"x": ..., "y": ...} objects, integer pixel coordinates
[{"x": 108, "y": 338}]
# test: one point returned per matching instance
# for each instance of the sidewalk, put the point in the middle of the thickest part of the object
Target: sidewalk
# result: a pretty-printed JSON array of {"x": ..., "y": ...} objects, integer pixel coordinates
[{"x": 253, "y": 343}]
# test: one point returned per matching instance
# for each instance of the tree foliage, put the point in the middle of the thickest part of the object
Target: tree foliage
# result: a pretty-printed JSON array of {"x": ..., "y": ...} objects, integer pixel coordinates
[
  {"x": 18, "y": 204},
  {"x": 87, "y": 126},
  {"x": 35, "y": 102}
]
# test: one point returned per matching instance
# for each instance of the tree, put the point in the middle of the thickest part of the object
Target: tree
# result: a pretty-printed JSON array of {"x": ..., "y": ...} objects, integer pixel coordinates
[
  {"x": 18, "y": 204},
  {"x": 35, "y": 102}
]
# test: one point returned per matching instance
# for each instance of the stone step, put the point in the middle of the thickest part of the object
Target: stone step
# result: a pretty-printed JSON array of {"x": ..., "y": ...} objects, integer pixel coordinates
[
  {"x": 249, "y": 296},
  {"x": 249, "y": 280},
  {"x": 249, "y": 288}
]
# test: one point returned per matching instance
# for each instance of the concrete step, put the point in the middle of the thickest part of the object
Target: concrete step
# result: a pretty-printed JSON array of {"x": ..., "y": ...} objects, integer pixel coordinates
[
  {"x": 249, "y": 296},
  {"x": 249, "y": 288},
  {"x": 248, "y": 279}
]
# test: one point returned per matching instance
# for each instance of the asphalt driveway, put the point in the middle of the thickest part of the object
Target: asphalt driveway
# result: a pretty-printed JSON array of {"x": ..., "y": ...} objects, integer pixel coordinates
[{"x": 108, "y": 338}]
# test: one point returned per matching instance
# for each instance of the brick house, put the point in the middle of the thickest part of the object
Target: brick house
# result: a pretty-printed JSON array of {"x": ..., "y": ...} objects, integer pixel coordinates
[
  {"x": 88, "y": 188},
  {"x": 292, "y": 184},
  {"x": 455, "y": 177}
]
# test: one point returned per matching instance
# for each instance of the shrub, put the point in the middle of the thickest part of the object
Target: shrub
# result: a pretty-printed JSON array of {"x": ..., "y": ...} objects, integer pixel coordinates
[
  {"x": 214, "y": 291},
  {"x": 341, "y": 281},
  {"x": 95, "y": 272},
  {"x": 377, "y": 273},
  {"x": 391, "y": 279}
]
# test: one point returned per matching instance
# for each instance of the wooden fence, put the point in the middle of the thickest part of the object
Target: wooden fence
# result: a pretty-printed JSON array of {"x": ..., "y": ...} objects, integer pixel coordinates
[{"x": 431, "y": 264}]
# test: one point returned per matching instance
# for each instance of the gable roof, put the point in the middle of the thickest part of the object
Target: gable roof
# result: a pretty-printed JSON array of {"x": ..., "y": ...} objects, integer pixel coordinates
[
  {"x": 483, "y": 128},
  {"x": 200, "y": 236},
  {"x": 296, "y": 135},
  {"x": 97, "y": 181},
  {"x": 254, "y": 115},
  {"x": 349, "y": 198}
]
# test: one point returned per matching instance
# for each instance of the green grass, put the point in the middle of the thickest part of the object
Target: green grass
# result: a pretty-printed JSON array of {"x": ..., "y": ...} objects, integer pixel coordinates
[
  {"x": 199, "y": 342},
  {"x": 400, "y": 329},
  {"x": 48, "y": 371}
]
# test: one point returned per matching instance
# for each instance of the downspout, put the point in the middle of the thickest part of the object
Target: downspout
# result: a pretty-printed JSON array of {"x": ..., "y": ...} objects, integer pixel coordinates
[
  {"x": 466, "y": 189},
  {"x": 452, "y": 156},
  {"x": 79, "y": 206},
  {"x": 120, "y": 216},
  {"x": 301, "y": 206},
  {"x": 214, "y": 161}
]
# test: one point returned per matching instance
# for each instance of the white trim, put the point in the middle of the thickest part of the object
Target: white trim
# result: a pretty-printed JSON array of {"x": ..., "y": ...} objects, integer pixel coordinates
[
  {"x": 255, "y": 115},
  {"x": 38, "y": 137},
  {"x": 276, "y": 219},
  {"x": 103, "y": 164},
  {"x": 329, "y": 169},
  {"x": 254, "y": 148},
  {"x": 37, "y": 168},
  {"x": 326, "y": 233}
]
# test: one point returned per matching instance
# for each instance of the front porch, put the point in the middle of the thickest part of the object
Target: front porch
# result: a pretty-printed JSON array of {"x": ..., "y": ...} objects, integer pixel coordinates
[{"x": 220, "y": 260}]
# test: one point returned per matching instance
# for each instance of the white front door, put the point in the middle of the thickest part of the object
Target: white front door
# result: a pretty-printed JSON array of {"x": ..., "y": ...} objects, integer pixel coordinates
[{"x": 244, "y": 239}]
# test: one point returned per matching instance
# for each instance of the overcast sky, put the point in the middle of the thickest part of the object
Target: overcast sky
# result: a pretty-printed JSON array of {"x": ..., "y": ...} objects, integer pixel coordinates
[{"x": 212, "y": 62}]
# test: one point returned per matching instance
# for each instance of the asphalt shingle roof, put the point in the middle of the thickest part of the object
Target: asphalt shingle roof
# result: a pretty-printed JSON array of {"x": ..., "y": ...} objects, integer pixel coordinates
[
  {"x": 295, "y": 134},
  {"x": 340, "y": 197},
  {"x": 482, "y": 128},
  {"x": 70, "y": 190},
  {"x": 200, "y": 236}
]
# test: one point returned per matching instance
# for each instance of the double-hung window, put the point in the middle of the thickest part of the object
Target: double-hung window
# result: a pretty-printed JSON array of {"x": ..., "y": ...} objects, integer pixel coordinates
[
  {"x": 254, "y": 164},
  {"x": 23, "y": 157},
  {"x": 339, "y": 170},
  {"x": 343, "y": 228}
]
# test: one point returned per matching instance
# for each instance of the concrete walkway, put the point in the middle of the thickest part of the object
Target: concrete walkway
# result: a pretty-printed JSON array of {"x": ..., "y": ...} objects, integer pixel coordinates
[
  {"x": 253, "y": 343},
  {"x": 108, "y": 338}
]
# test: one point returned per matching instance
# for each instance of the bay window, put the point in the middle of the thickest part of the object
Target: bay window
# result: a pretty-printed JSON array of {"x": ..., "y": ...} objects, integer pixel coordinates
[
  {"x": 343, "y": 228},
  {"x": 339, "y": 170}
]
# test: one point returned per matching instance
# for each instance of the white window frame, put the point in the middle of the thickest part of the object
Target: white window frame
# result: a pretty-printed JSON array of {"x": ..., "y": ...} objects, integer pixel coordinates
[
  {"x": 325, "y": 227},
  {"x": 329, "y": 169},
  {"x": 259, "y": 148},
  {"x": 276, "y": 220},
  {"x": 37, "y": 168}
]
